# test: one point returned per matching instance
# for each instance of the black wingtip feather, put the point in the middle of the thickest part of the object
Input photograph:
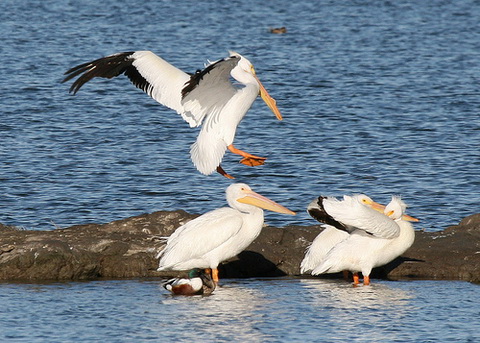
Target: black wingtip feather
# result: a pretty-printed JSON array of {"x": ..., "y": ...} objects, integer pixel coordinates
[
  {"x": 196, "y": 78},
  {"x": 106, "y": 67},
  {"x": 320, "y": 214}
]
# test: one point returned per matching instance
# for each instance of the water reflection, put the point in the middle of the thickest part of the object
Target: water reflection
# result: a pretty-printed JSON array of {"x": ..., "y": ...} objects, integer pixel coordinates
[
  {"x": 231, "y": 312},
  {"x": 343, "y": 295},
  {"x": 253, "y": 310}
]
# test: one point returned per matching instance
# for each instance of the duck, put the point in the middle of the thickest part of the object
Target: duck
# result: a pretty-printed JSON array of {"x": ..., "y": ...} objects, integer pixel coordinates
[{"x": 198, "y": 282}]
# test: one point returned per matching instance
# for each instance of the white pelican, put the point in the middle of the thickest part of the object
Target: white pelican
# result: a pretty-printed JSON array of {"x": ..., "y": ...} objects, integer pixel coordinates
[
  {"x": 207, "y": 96},
  {"x": 198, "y": 283},
  {"x": 376, "y": 238},
  {"x": 334, "y": 231},
  {"x": 220, "y": 234}
]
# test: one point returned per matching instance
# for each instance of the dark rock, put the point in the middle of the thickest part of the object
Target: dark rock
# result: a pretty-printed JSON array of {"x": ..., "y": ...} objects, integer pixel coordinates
[{"x": 127, "y": 248}]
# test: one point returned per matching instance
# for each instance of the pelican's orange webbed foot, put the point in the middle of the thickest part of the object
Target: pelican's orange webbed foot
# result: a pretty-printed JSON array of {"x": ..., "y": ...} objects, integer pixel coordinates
[
  {"x": 248, "y": 159},
  {"x": 253, "y": 161},
  {"x": 224, "y": 173}
]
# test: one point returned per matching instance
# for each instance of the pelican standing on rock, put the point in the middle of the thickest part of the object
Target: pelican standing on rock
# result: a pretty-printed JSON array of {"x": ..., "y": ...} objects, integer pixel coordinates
[
  {"x": 334, "y": 231},
  {"x": 375, "y": 239},
  {"x": 207, "y": 97},
  {"x": 220, "y": 234}
]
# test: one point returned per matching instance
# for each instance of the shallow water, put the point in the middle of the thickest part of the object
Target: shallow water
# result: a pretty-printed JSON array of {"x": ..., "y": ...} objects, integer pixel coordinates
[
  {"x": 378, "y": 97},
  {"x": 253, "y": 310}
]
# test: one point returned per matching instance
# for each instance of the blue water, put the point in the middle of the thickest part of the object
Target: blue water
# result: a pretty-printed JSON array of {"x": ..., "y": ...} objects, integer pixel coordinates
[
  {"x": 253, "y": 310},
  {"x": 378, "y": 97}
]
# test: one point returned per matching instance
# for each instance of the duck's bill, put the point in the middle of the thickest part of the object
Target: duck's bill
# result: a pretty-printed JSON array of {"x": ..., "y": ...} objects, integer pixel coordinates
[
  {"x": 255, "y": 199},
  {"x": 271, "y": 103}
]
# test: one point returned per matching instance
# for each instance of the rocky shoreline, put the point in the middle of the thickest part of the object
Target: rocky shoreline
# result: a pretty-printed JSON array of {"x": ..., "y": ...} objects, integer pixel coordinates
[{"x": 127, "y": 248}]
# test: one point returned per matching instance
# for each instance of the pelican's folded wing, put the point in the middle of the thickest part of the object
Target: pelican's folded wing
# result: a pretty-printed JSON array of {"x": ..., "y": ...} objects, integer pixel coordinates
[
  {"x": 200, "y": 236},
  {"x": 351, "y": 212}
]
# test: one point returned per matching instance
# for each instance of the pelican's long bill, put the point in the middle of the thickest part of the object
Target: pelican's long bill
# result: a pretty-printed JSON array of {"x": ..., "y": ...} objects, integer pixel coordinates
[
  {"x": 380, "y": 208},
  {"x": 271, "y": 103},
  {"x": 255, "y": 199}
]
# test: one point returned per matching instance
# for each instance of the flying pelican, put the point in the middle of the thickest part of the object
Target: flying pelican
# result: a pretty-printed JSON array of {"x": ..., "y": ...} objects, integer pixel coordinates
[
  {"x": 207, "y": 97},
  {"x": 198, "y": 283},
  {"x": 220, "y": 234},
  {"x": 376, "y": 238}
]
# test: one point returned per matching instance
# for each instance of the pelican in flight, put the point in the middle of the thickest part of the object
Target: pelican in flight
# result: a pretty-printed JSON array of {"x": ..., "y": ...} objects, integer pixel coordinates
[
  {"x": 207, "y": 96},
  {"x": 369, "y": 238},
  {"x": 220, "y": 234}
]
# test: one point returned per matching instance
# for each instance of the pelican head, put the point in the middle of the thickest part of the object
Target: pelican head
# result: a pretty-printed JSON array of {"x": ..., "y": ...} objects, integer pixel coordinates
[
  {"x": 245, "y": 66},
  {"x": 367, "y": 201},
  {"x": 396, "y": 209},
  {"x": 241, "y": 197}
]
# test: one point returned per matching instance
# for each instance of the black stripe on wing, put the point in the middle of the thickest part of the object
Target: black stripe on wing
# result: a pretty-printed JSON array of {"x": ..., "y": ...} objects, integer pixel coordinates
[
  {"x": 107, "y": 67},
  {"x": 322, "y": 216},
  {"x": 196, "y": 78}
]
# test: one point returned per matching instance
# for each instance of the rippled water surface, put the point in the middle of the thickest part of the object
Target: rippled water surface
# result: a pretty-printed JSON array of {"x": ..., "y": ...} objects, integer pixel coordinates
[
  {"x": 379, "y": 97},
  {"x": 254, "y": 310}
]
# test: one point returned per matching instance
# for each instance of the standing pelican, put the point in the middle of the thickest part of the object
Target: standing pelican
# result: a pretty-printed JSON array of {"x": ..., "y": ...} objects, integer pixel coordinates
[
  {"x": 334, "y": 231},
  {"x": 207, "y": 96},
  {"x": 375, "y": 240},
  {"x": 220, "y": 234}
]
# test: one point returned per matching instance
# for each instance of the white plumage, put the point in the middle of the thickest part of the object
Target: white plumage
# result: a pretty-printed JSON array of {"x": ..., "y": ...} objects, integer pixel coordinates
[
  {"x": 343, "y": 216},
  {"x": 207, "y": 97},
  {"x": 376, "y": 239},
  {"x": 220, "y": 234}
]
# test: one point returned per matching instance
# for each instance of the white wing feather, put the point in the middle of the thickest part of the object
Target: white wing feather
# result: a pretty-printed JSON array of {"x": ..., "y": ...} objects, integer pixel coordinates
[
  {"x": 320, "y": 247},
  {"x": 351, "y": 212},
  {"x": 200, "y": 236},
  {"x": 166, "y": 81},
  {"x": 212, "y": 93}
]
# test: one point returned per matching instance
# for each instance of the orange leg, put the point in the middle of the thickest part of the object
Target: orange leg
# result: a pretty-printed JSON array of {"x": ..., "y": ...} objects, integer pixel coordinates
[
  {"x": 215, "y": 275},
  {"x": 248, "y": 159},
  {"x": 224, "y": 173},
  {"x": 366, "y": 280},
  {"x": 356, "y": 279}
]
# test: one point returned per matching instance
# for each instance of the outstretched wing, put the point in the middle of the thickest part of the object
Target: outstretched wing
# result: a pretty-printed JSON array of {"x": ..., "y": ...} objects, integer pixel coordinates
[
  {"x": 210, "y": 89},
  {"x": 192, "y": 96},
  {"x": 155, "y": 76}
]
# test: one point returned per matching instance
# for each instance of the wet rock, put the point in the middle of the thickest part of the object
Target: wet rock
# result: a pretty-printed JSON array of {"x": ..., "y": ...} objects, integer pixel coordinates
[{"x": 127, "y": 248}]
